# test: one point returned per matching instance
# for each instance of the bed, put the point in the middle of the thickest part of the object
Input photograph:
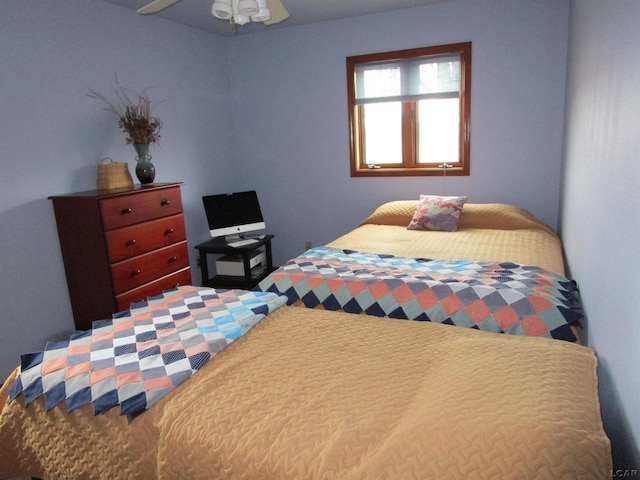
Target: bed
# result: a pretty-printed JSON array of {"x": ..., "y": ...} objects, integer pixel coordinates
[
  {"x": 489, "y": 270},
  {"x": 308, "y": 393},
  {"x": 484, "y": 232}
]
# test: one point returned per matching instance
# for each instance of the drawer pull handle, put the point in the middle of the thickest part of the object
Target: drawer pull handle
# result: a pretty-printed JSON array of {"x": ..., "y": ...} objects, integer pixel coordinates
[
  {"x": 125, "y": 211},
  {"x": 135, "y": 272},
  {"x": 173, "y": 259},
  {"x": 165, "y": 202},
  {"x": 131, "y": 242},
  {"x": 168, "y": 231}
]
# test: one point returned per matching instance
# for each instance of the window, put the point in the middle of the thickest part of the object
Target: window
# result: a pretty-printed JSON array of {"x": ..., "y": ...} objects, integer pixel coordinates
[{"x": 409, "y": 111}]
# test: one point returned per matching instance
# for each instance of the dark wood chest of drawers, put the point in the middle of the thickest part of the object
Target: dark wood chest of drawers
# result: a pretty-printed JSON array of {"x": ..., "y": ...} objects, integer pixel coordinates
[{"x": 121, "y": 246}]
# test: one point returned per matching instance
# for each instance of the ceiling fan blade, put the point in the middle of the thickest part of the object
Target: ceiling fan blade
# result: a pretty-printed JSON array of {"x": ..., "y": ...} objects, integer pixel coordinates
[
  {"x": 278, "y": 12},
  {"x": 156, "y": 6}
]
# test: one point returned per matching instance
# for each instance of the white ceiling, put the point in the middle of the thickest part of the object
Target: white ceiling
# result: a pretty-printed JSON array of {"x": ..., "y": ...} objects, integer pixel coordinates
[{"x": 197, "y": 13}]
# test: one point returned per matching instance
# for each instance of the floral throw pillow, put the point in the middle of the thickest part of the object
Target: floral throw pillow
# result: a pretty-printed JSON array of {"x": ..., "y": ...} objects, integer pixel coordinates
[{"x": 437, "y": 213}]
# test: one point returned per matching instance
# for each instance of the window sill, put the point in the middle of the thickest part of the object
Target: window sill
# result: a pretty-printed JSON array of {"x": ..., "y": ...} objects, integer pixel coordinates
[{"x": 453, "y": 171}]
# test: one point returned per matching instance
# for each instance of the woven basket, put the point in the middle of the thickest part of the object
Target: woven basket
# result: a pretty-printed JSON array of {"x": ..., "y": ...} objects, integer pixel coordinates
[{"x": 113, "y": 175}]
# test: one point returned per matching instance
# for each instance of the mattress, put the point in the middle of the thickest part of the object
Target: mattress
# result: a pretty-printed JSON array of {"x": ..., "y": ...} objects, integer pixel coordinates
[
  {"x": 486, "y": 232},
  {"x": 315, "y": 394},
  {"x": 505, "y": 238}
]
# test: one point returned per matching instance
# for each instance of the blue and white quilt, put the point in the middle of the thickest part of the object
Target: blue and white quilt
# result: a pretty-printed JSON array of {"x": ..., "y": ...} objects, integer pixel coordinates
[{"x": 140, "y": 355}]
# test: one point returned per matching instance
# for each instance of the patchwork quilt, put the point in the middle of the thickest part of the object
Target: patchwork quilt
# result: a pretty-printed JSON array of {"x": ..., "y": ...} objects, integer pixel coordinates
[
  {"x": 496, "y": 297},
  {"x": 141, "y": 354}
]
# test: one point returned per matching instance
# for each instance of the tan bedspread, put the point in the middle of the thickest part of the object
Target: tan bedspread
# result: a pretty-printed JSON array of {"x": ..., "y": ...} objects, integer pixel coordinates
[
  {"x": 495, "y": 232},
  {"x": 312, "y": 394}
]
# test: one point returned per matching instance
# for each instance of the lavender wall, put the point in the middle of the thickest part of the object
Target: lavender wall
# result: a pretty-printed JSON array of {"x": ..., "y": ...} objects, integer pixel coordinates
[
  {"x": 600, "y": 223},
  {"x": 291, "y": 131},
  {"x": 268, "y": 112},
  {"x": 52, "y": 136}
]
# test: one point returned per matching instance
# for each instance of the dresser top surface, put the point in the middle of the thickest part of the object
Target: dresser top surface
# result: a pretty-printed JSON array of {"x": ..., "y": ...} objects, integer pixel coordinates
[{"x": 118, "y": 191}]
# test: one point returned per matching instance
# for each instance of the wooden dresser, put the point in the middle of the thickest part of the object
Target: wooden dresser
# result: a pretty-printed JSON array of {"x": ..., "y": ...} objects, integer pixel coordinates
[{"x": 121, "y": 246}]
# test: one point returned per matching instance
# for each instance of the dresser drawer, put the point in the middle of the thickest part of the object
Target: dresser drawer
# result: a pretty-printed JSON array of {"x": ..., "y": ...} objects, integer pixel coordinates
[
  {"x": 128, "y": 242},
  {"x": 147, "y": 267},
  {"x": 123, "y": 210},
  {"x": 124, "y": 301}
]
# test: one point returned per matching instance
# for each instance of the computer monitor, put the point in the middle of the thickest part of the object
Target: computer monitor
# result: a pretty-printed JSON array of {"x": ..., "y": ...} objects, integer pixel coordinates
[{"x": 232, "y": 214}]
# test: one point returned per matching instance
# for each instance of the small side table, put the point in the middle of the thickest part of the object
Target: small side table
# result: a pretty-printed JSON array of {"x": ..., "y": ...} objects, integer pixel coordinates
[{"x": 217, "y": 246}]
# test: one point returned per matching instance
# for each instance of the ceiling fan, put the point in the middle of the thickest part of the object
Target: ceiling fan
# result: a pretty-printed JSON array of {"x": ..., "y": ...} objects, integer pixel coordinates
[{"x": 237, "y": 11}]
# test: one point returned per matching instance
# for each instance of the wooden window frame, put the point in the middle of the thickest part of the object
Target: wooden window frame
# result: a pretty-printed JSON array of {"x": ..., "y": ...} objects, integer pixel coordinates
[{"x": 410, "y": 167}]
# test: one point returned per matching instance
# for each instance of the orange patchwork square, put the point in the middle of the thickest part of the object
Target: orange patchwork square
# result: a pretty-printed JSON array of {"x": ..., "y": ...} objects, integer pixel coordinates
[
  {"x": 506, "y": 317},
  {"x": 478, "y": 311},
  {"x": 170, "y": 347},
  {"x": 139, "y": 317},
  {"x": 451, "y": 304},
  {"x": 79, "y": 349},
  {"x": 275, "y": 276},
  {"x": 100, "y": 375},
  {"x": 118, "y": 327},
  {"x": 297, "y": 277},
  {"x": 129, "y": 377},
  {"x": 75, "y": 370},
  {"x": 101, "y": 337},
  {"x": 534, "y": 326},
  {"x": 161, "y": 382},
  {"x": 403, "y": 294},
  {"x": 210, "y": 302},
  {"x": 173, "y": 297},
  {"x": 157, "y": 306},
  {"x": 314, "y": 281},
  {"x": 540, "y": 304},
  {"x": 334, "y": 284},
  {"x": 356, "y": 286},
  {"x": 427, "y": 299},
  {"x": 53, "y": 365},
  {"x": 379, "y": 290}
]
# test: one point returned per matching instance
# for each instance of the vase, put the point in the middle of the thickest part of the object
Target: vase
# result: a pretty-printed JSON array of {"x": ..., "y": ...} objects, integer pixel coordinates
[{"x": 145, "y": 170}]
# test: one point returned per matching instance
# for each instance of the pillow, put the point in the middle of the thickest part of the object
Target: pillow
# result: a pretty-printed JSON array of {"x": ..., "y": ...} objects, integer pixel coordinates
[
  {"x": 396, "y": 212},
  {"x": 437, "y": 213}
]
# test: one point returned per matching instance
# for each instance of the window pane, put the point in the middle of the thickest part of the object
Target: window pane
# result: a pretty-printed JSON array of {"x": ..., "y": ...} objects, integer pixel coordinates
[
  {"x": 382, "y": 82},
  {"x": 440, "y": 77},
  {"x": 438, "y": 131},
  {"x": 383, "y": 133}
]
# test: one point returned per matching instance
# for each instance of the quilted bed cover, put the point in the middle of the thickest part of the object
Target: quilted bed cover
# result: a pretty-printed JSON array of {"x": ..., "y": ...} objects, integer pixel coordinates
[
  {"x": 486, "y": 232},
  {"x": 315, "y": 394},
  {"x": 502, "y": 297}
]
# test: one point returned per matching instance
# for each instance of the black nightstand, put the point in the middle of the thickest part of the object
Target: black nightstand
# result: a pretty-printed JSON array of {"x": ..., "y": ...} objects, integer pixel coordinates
[{"x": 217, "y": 246}]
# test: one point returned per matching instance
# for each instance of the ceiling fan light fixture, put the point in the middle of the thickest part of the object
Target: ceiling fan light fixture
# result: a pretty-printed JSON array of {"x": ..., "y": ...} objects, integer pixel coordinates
[
  {"x": 248, "y": 8},
  {"x": 238, "y": 12},
  {"x": 239, "y": 18},
  {"x": 263, "y": 14},
  {"x": 222, "y": 9}
]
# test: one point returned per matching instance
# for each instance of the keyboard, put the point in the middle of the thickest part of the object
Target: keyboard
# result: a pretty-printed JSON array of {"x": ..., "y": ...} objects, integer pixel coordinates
[{"x": 242, "y": 243}]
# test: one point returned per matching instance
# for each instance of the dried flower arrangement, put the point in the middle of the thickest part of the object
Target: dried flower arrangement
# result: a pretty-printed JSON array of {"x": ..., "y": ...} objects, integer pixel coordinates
[{"x": 133, "y": 111}]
